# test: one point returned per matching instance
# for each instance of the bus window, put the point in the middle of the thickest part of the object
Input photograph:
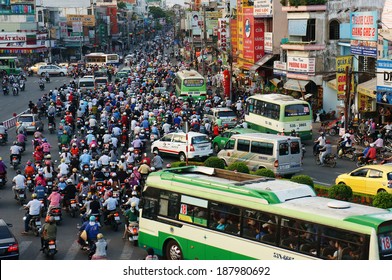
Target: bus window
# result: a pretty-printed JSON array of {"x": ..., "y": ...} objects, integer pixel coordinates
[
  {"x": 168, "y": 203},
  {"x": 296, "y": 110},
  {"x": 243, "y": 145},
  {"x": 224, "y": 217}
]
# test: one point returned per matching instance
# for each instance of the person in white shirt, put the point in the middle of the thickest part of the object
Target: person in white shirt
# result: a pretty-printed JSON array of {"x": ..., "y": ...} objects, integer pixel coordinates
[
  {"x": 109, "y": 205},
  {"x": 166, "y": 128},
  {"x": 106, "y": 137},
  {"x": 104, "y": 160},
  {"x": 19, "y": 183},
  {"x": 34, "y": 207},
  {"x": 15, "y": 150},
  {"x": 135, "y": 199},
  {"x": 63, "y": 168}
]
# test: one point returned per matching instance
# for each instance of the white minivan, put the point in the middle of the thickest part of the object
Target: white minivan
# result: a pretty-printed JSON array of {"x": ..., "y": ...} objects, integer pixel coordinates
[
  {"x": 86, "y": 83},
  {"x": 175, "y": 144},
  {"x": 281, "y": 154}
]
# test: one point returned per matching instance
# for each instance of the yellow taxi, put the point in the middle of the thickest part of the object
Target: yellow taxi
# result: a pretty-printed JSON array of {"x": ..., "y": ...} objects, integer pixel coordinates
[{"x": 369, "y": 179}]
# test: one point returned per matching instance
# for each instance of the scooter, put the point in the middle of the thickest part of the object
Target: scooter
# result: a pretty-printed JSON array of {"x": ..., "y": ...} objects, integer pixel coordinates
[
  {"x": 49, "y": 249},
  {"x": 47, "y": 79},
  {"x": 30, "y": 183},
  {"x": 51, "y": 128},
  {"x": 42, "y": 86},
  {"x": 15, "y": 90},
  {"x": 73, "y": 208},
  {"x": 113, "y": 219},
  {"x": 2, "y": 139},
  {"x": 5, "y": 90},
  {"x": 21, "y": 196},
  {"x": 15, "y": 162},
  {"x": 3, "y": 180},
  {"x": 22, "y": 85},
  {"x": 133, "y": 233},
  {"x": 329, "y": 160},
  {"x": 56, "y": 214},
  {"x": 35, "y": 224}
]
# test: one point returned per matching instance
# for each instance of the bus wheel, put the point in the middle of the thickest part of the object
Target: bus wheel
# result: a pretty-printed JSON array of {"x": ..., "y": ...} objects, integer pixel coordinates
[{"x": 173, "y": 251}]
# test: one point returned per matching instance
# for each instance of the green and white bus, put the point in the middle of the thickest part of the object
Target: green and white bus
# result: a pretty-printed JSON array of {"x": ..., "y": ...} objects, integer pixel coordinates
[
  {"x": 190, "y": 83},
  {"x": 8, "y": 64},
  {"x": 203, "y": 213},
  {"x": 279, "y": 113}
]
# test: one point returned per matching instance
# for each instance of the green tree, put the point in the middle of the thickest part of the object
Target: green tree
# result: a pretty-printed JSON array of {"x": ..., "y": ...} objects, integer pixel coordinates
[
  {"x": 121, "y": 5},
  {"x": 157, "y": 12}
]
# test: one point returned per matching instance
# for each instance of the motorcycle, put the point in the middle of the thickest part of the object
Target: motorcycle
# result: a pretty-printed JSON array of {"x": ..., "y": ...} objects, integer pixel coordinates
[
  {"x": 86, "y": 170},
  {"x": 15, "y": 162},
  {"x": 49, "y": 249},
  {"x": 133, "y": 233},
  {"x": 43, "y": 208},
  {"x": 22, "y": 145},
  {"x": 22, "y": 85},
  {"x": 47, "y": 79},
  {"x": 15, "y": 90},
  {"x": 49, "y": 185},
  {"x": 3, "y": 180},
  {"x": 329, "y": 160},
  {"x": 2, "y": 139},
  {"x": 113, "y": 219},
  {"x": 73, "y": 208},
  {"x": 35, "y": 224},
  {"x": 56, "y": 214},
  {"x": 346, "y": 152},
  {"x": 51, "y": 128},
  {"x": 42, "y": 86},
  {"x": 59, "y": 108},
  {"x": 30, "y": 183},
  {"x": 5, "y": 90},
  {"x": 21, "y": 196}
]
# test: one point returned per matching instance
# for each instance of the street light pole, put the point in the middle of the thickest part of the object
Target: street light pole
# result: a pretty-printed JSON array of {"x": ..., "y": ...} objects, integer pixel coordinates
[{"x": 204, "y": 44}]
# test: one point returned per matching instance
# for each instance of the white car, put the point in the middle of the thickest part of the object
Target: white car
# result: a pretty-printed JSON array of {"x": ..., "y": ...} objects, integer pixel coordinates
[
  {"x": 52, "y": 70},
  {"x": 175, "y": 144}
]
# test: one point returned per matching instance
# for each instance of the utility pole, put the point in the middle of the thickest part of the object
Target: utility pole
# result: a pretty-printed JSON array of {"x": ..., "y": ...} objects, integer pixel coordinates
[
  {"x": 347, "y": 99},
  {"x": 204, "y": 44}
]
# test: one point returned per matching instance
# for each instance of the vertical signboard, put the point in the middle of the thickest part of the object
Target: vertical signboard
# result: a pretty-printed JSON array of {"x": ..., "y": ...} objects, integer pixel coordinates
[
  {"x": 268, "y": 42},
  {"x": 248, "y": 33},
  {"x": 223, "y": 33},
  {"x": 363, "y": 26},
  {"x": 258, "y": 39},
  {"x": 234, "y": 38},
  {"x": 342, "y": 62}
]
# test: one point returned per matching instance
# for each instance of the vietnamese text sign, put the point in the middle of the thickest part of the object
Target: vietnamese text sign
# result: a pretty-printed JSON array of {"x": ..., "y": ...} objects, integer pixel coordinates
[
  {"x": 364, "y": 48},
  {"x": 87, "y": 20},
  {"x": 364, "y": 25},
  {"x": 384, "y": 75},
  {"x": 268, "y": 42},
  {"x": 263, "y": 8},
  {"x": 301, "y": 64},
  {"x": 280, "y": 68},
  {"x": 342, "y": 62}
]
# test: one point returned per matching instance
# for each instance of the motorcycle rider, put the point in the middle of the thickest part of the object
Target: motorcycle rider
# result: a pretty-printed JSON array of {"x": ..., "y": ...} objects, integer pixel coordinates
[
  {"x": 20, "y": 183},
  {"x": 29, "y": 169},
  {"x": 371, "y": 154},
  {"x": 3, "y": 131},
  {"x": 92, "y": 229},
  {"x": 70, "y": 192},
  {"x": 85, "y": 158},
  {"x": 15, "y": 150},
  {"x": 319, "y": 142},
  {"x": 21, "y": 139},
  {"x": 132, "y": 215},
  {"x": 34, "y": 206},
  {"x": 3, "y": 169},
  {"x": 109, "y": 205},
  {"x": 99, "y": 248},
  {"x": 49, "y": 231},
  {"x": 54, "y": 198},
  {"x": 51, "y": 113},
  {"x": 325, "y": 150},
  {"x": 157, "y": 161}
]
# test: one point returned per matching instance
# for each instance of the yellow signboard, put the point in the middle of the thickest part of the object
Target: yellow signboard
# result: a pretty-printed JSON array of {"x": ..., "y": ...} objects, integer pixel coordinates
[
  {"x": 342, "y": 62},
  {"x": 87, "y": 20},
  {"x": 213, "y": 14}
]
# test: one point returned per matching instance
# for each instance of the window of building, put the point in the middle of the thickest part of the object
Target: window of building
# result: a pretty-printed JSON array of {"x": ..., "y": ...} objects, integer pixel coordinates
[
  {"x": 310, "y": 31},
  {"x": 334, "y": 30}
]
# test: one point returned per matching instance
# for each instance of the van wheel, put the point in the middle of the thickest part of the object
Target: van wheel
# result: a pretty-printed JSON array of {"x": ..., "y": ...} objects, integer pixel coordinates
[
  {"x": 182, "y": 157},
  {"x": 216, "y": 148},
  {"x": 61, "y": 74}
]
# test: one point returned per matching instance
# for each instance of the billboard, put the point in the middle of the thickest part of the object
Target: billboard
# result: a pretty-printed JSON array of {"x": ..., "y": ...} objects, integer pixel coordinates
[
  {"x": 384, "y": 75},
  {"x": 342, "y": 62},
  {"x": 223, "y": 33},
  {"x": 86, "y": 20},
  {"x": 363, "y": 25},
  {"x": 248, "y": 34},
  {"x": 301, "y": 64},
  {"x": 263, "y": 8},
  {"x": 364, "y": 31}
]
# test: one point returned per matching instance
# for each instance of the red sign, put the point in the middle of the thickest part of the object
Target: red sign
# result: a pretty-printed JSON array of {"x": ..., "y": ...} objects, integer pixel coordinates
[
  {"x": 234, "y": 38},
  {"x": 248, "y": 33},
  {"x": 258, "y": 39},
  {"x": 112, "y": 13}
]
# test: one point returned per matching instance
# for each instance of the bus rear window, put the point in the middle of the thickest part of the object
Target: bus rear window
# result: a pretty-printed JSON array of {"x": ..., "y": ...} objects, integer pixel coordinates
[{"x": 296, "y": 110}]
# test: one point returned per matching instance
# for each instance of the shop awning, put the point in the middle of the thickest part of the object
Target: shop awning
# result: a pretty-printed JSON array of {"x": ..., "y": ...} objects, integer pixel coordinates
[
  {"x": 296, "y": 85},
  {"x": 332, "y": 84},
  {"x": 368, "y": 88},
  {"x": 261, "y": 62},
  {"x": 275, "y": 82}
]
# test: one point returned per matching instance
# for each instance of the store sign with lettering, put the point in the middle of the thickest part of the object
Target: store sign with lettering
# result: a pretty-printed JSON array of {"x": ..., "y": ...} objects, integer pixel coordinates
[{"x": 301, "y": 64}]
